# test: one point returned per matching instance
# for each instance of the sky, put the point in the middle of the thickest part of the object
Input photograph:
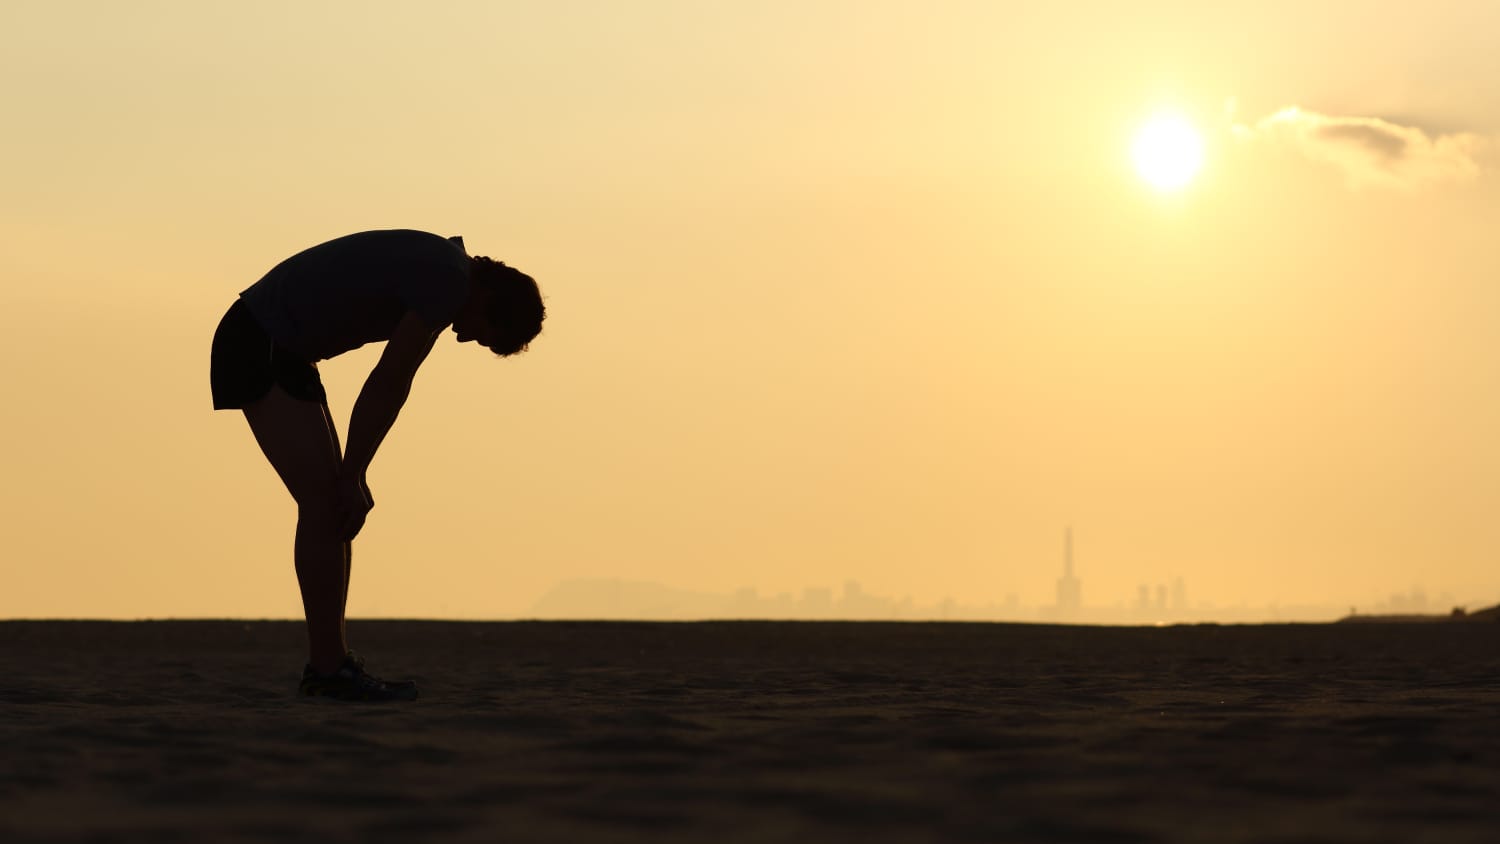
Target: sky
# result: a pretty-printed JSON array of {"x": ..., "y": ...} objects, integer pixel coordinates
[{"x": 837, "y": 291}]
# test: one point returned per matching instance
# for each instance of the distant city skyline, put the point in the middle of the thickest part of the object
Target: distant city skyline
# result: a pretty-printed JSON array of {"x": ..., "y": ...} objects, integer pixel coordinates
[
  {"x": 614, "y": 598},
  {"x": 1152, "y": 603}
]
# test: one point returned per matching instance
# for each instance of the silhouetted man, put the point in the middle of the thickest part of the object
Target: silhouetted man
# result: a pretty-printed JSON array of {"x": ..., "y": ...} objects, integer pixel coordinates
[{"x": 402, "y": 287}]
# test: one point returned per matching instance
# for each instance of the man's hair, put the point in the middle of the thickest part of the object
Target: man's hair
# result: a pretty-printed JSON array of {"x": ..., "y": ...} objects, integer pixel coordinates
[{"x": 516, "y": 310}]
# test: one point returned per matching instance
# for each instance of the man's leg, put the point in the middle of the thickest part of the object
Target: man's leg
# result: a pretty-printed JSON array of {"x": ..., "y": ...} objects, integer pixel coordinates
[{"x": 299, "y": 439}]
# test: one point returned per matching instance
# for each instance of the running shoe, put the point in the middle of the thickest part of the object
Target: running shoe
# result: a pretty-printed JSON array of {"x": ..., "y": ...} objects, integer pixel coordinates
[{"x": 351, "y": 682}]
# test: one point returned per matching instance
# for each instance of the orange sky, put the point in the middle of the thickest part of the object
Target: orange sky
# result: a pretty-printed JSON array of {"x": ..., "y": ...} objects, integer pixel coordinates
[{"x": 837, "y": 291}]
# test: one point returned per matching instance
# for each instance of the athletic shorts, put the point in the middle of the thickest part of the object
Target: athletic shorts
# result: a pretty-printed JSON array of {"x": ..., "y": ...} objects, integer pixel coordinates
[{"x": 246, "y": 362}]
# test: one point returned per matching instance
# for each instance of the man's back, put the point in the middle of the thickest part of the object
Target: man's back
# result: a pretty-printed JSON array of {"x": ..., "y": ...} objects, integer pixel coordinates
[{"x": 352, "y": 290}]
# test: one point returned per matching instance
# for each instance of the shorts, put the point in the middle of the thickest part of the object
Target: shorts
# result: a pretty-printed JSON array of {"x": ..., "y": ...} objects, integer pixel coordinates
[{"x": 246, "y": 362}]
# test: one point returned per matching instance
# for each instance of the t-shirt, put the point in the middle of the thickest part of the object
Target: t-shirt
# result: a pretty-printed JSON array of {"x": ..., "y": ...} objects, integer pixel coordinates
[{"x": 354, "y": 289}]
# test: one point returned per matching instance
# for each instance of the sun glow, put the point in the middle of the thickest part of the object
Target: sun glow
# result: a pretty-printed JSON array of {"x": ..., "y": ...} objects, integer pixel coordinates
[{"x": 1168, "y": 152}]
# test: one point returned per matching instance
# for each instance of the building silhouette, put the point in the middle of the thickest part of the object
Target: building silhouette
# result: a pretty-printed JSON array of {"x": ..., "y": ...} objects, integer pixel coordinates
[{"x": 1069, "y": 589}]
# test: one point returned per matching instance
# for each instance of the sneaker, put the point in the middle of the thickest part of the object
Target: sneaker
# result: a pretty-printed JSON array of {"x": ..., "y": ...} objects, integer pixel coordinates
[
  {"x": 359, "y": 662},
  {"x": 351, "y": 682}
]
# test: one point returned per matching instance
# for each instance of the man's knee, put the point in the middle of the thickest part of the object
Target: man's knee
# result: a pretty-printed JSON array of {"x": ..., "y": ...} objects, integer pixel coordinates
[{"x": 318, "y": 509}]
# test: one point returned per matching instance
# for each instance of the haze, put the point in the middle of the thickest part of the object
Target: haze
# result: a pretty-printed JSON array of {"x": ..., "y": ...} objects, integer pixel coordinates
[{"x": 837, "y": 291}]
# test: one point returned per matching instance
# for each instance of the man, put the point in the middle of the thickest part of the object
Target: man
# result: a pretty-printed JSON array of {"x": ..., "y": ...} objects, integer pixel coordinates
[{"x": 402, "y": 287}]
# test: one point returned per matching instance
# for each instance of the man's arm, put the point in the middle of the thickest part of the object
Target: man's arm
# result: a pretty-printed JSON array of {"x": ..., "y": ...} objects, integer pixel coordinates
[{"x": 380, "y": 400}]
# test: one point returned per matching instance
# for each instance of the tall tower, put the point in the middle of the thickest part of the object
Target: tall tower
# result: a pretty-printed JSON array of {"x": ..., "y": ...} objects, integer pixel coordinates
[{"x": 1069, "y": 589}]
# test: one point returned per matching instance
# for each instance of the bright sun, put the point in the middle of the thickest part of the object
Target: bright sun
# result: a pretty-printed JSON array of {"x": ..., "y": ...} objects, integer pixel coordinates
[{"x": 1168, "y": 152}]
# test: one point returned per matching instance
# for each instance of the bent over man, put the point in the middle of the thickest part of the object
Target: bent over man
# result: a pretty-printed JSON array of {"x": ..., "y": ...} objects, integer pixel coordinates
[{"x": 402, "y": 287}]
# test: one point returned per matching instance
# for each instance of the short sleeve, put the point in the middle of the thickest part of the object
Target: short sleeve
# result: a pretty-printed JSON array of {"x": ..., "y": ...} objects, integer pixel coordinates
[{"x": 437, "y": 296}]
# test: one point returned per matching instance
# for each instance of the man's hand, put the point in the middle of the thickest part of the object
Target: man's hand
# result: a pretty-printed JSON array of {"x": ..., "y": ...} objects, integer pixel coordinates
[
  {"x": 381, "y": 398},
  {"x": 355, "y": 502}
]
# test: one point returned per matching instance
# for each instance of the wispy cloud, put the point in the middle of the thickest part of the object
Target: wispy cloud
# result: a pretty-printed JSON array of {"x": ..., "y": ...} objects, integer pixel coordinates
[{"x": 1371, "y": 152}]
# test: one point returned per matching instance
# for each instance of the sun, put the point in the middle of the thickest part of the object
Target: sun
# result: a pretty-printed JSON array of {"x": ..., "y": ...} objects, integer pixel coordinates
[{"x": 1168, "y": 152}]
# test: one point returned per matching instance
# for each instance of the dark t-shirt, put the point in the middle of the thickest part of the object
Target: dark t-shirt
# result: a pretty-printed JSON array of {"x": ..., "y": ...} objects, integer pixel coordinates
[{"x": 353, "y": 290}]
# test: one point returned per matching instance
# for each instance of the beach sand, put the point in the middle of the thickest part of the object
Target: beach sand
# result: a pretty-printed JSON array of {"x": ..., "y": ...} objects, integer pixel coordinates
[{"x": 723, "y": 731}]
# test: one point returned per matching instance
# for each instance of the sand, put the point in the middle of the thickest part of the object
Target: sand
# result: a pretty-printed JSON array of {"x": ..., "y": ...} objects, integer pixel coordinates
[{"x": 723, "y": 732}]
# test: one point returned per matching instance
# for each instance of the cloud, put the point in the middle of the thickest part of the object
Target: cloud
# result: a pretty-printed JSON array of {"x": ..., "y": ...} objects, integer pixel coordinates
[{"x": 1371, "y": 152}]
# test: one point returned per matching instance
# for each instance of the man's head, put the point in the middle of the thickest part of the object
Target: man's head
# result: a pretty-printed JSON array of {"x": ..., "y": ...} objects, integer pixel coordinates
[{"x": 505, "y": 310}]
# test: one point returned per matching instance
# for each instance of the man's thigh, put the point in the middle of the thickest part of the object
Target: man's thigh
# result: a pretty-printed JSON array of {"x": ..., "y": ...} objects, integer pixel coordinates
[{"x": 299, "y": 440}]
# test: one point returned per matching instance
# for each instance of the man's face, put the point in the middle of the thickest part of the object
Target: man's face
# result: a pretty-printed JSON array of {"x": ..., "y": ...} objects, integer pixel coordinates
[{"x": 472, "y": 322}]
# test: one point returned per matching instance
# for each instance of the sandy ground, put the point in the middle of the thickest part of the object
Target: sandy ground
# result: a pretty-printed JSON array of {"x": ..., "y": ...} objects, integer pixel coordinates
[{"x": 190, "y": 731}]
